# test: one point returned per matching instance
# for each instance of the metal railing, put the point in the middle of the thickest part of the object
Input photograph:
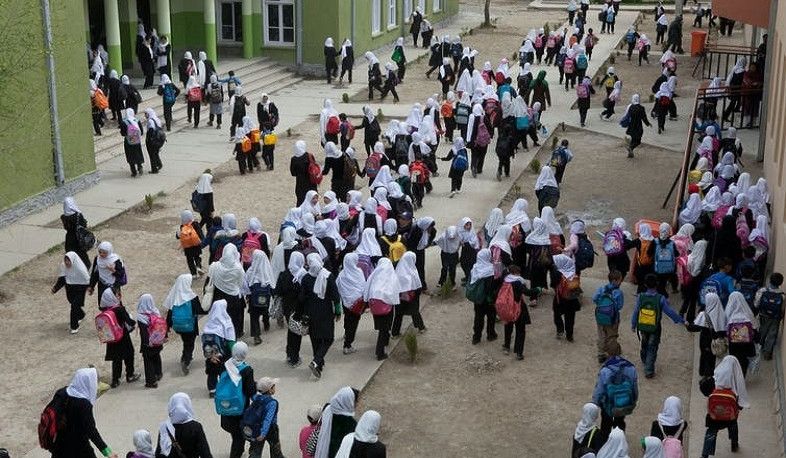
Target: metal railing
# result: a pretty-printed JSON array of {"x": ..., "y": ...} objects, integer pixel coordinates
[{"x": 717, "y": 60}]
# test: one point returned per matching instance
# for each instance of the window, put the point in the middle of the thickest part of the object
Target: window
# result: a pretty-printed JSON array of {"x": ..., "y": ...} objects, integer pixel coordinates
[
  {"x": 436, "y": 5},
  {"x": 422, "y": 5},
  {"x": 376, "y": 16},
  {"x": 231, "y": 21},
  {"x": 391, "y": 13},
  {"x": 279, "y": 22},
  {"x": 407, "y": 9}
]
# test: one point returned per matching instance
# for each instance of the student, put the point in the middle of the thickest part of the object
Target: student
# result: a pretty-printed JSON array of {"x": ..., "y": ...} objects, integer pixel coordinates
[
  {"x": 665, "y": 259},
  {"x": 338, "y": 420},
  {"x": 347, "y": 61},
  {"x": 287, "y": 287},
  {"x": 742, "y": 329},
  {"x": 351, "y": 284},
  {"x": 313, "y": 415},
  {"x": 267, "y": 408},
  {"x": 661, "y": 25},
  {"x": 587, "y": 436},
  {"x": 121, "y": 351},
  {"x": 374, "y": 74},
  {"x": 117, "y": 97},
  {"x": 459, "y": 164},
  {"x": 559, "y": 160},
  {"x": 519, "y": 290},
  {"x": 646, "y": 321},
  {"x": 621, "y": 373},
  {"x": 143, "y": 445},
  {"x": 74, "y": 276},
  {"x": 98, "y": 103},
  {"x": 204, "y": 194},
  {"x": 643, "y": 46},
  {"x": 696, "y": 271},
  {"x": 218, "y": 338},
  {"x": 331, "y": 68},
  {"x": 322, "y": 304},
  {"x": 769, "y": 306},
  {"x": 609, "y": 300},
  {"x": 190, "y": 236},
  {"x": 539, "y": 90},
  {"x": 74, "y": 440},
  {"x": 298, "y": 168},
  {"x": 728, "y": 376},
  {"x": 181, "y": 435},
  {"x": 183, "y": 321},
  {"x": 482, "y": 274},
  {"x": 721, "y": 283},
  {"x": 239, "y": 373},
  {"x": 227, "y": 278},
  {"x": 399, "y": 58},
  {"x": 108, "y": 271},
  {"x": 147, "y": 312},
  {"x": 446, "y": 77},
  {"x": 636, "y": 117},
  {"x": 712, "y": 324},
  {"x": 194, "y": 99},
  {"x": 567, "y": 301},
  {"x": 583, "y": 91},
  {"x": 449, "y": 243},
  {"x": 364, "y": 442},
  {"x": 371, "y": 129},
  {"x": 132, "y": 145},
  {"x": 232, "y": 83},
  {"x": 133, "y": 98},
  {"x": 611, "y": 101},
  {"x": 539, "y": 258},
  {"x": 411, "y": 288},
  {"x": 153, "y": 140},
  {"x": 589, "y": 42},
  {"x": 470, "y": 244},
  {"x": 237, "y": 105},
  {"x": 72, "y": 219},
  {"x": 267, "y": 114},
  {"x": 391, "y": 81},
  {"x": 670, "y": 424},
  {"x": 547, "y": 188},
  {"x": 383, "y": 296},
  {"x": 259, "y": 282},
  {"x": 214, "y": 93}
]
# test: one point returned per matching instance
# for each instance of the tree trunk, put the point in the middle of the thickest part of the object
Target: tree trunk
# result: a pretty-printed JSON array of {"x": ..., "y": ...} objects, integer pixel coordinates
[{"x": 486, "y": 13}]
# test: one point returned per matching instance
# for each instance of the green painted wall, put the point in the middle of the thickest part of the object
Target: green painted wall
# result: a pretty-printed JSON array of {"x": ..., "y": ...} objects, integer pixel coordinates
[
  {"x": 25, "y": 132},
  {"x": 256, "y": 27},
  {"x": 318, "y": 25},
  {"x": 188, "y": 30}
]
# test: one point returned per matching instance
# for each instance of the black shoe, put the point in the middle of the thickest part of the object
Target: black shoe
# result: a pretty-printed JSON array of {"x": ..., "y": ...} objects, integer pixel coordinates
[
  {"x": 315, "y": 369},
  {"x": 133, "y": 378},
  {"x": 475, "y": 340},
  {"x": 115, "y": 383},
  {"x": 735, "y": 448},
  {"x": 257, "y": 340},
  {"x": 159, "y": 377},
  {"x": 151, "y": 385},
  {"x": 185, "y": 367},
  {"x": 492, "y": 338},
  {"x": 519, "y": 356},
  {"x": 382, "y": 357}
]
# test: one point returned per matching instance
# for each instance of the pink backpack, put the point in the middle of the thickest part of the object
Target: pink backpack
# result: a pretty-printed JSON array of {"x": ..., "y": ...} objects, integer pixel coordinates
[
  {"x": 508, "y": 310},
  {"x": 156, "y": 330},
  {"x": 742, "y": 230},
  {"x": 683, "y": 275},
  {"x": 717, "y": 217},
  {"x": 568, "y": 67},
  {"x": 672, "y": 446},
  {"x": 483, "y": 138},
  {"x": 109, "y": 330}
]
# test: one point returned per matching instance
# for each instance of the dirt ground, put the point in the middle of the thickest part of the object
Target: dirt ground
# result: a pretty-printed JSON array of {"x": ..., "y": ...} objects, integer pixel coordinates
[{"x": 524, "y": 408}]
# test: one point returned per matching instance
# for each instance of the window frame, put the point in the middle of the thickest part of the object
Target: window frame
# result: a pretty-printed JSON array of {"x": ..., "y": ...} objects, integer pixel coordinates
[
  {"x": 266, "y": 23},
  {"x": 376, "y": 17}
]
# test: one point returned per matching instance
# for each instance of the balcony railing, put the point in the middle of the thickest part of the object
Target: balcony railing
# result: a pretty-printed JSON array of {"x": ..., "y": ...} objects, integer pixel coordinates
[{"x": 718, "y": 60}]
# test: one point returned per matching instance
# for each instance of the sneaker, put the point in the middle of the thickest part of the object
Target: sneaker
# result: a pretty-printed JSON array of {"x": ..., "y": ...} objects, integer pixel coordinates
[
  {"x": 395, "y": 336},
  {"x": 184, "y": 367},
  {"x": 519, "y": 356},
  {"x": 315, "y": 369},
  {"x": 151, "y": 385},
  {"x": 115, "y": 383},
  {"x": 133, "y": 378},
  {"x": 349, "y": 350},
  {"x": 458, "y": 191},
  {"x": 475, "y": 340},
  {"x": 423, "y": 330},
  {"x": 560, "y": 335},
  {"x": 505, "y": 350},
  {"x": 74, "y": 331},
  {"x": 452, "y": 193},
  {"x": 211, "y": 394},
  {"x": 293, "y": 364},
  {"x": 735, "y": 448},
  {"x": 650, "y": 375}
]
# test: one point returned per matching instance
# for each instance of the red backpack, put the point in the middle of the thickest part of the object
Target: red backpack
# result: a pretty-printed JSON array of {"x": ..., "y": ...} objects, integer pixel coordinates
[
  {"x": 333, "y": 125},
  {"x": 52, "y": 420},
  {"x": 568, "y": 66},
  {"x": 722, "y": 405},
  {"x": 314, "y": 170},
  {"x": 156, "y": 330},
  {"x": 683, "y": 275},
  {"x": 418, "y": 172},
  {"x": 250, "y": 243},
  {"x": 508, "y": 309},
  {"x": 373, "y": 164},
  {"x": 109, "y": 330}
]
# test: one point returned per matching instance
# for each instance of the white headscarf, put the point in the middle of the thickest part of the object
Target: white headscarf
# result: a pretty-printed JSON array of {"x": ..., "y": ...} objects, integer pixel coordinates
[
  {"x": 300, "y": 148},
  {"x": 260, "y": 271},
  {"x": 645, "y": 232},
  {"x": 762, "y": 229},
  {"x": 146, "y": 307},
  {"x": 539, "y": 234},
  {"x": 333, "y": 229},
  {"x": 382, "y": 179},
  {"x": 469, "y": 236},
  {"x": 369, "y": 246},
  {"x": 671, "y": 415},
  {"x": 696, "y": 258},
  {"x": 713, "y": 309},
  {"x": 204, "y": 185},
  {"x": 482, "y": 267},
  {"x": 589, "y": 416},
  {"x": 381, "y": 196},
  {"x": 143, "y": 443},
  {"x": 342, "y": 403},
  {"x": 296, "y": 266},
  {"x": 108, "y": 299},
  {"x": 527, "y": 47},
  {"x": 77, "y": 274},
  {"x": 152, "y": 120},
  {"x": 180, "y": 293},
  {"x": 321, "y": 275},
  {"x": 728, "y": 374},
  {"x": 344, "y": 46},
  {"x": 712, "y": 200},
  {"x": 501, "y": 238},
  {"x": 218, "y": 321},
  {"x": 495, "y": 219},
  {"x": 464, "y": 84},
  {"x": 477, "y": 116},
  {"x": 565, "y": 265},
  {"x": 371, "y": 58},
  {"x": 366, "y": 431},
  {"x": 180, "y": 411},
  {"x": 307, "y": 207},
  {"x": 407, "y": 273},
  {"x": 239, "y": 354},
  {"x": 69, "y": 206},
  {"x": 738, "y": 311},
  {"x": 383, "y": 283},
  {"x": 653, "y": 447},
  {"x": 615, "y": 447},
  {"x": 84, "y": 385},
  {"x": 690, "y": 214},
  {"x": 449, "y": 241},
  {"x": 546, "y": 178},
  {"x": 427, "y": 130},
  {"x": 547, "y": 215},
  {"x": 288, "y": 241},
  {"x": 104, "y": 264},
  {"x": 518, "y": 215},
  {"x": 332, "y": 151},
  {"x": 351, "y": 282},
  {"x": 227, "y": 274}
]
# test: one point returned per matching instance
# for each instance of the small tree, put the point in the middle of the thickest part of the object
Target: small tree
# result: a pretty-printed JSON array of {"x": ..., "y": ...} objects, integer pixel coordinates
[{"x": 487, "y": 13}]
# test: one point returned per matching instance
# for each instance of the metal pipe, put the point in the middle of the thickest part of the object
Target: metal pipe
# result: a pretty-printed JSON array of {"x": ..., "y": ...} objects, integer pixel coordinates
[
  {"x": 766, "y": 93},
  {"x": 57, "y": 144},
  {"x": 353, "y": 19},
  {"x": 299, "y": 24}
]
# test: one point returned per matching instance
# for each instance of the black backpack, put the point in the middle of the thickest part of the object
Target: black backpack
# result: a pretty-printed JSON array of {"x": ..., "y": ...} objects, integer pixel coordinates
[
  {"x": 254, "y": 416},
  {"x": 401, "y": 149},
  {"x": 585, "y": 255},
  {"x": 216, "y": 93}
]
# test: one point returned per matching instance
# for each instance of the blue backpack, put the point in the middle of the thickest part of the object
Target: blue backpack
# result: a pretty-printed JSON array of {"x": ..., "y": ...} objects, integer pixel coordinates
[
  {"x": 749, "y": 288},
  {"x": 230, "y": 399},
  {"x": 254, "y": 416},
  {"x": 610, "y": 15},
  {"x": 460, "y": 162},
  {"x": 630, "y": 37},
  {"x": 582, "y": 62},
  {"x": 169, "y": 93},
  {"x": 619, "y": 400},
  {"x": 771, "y": 304},
  {"x": 605, "y": 310},
  {"x": 665, "y": 262},
  {"x": 522, "y": 123},
  {"x": 183, "y": 318},
  {"x": 712, "y": 285}
]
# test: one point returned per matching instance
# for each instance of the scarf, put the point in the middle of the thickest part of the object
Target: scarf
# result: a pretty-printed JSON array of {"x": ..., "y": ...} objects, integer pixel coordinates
[
  {"x": 180, "y": 293},
  {"x": 540, "y": 233},
  {"x": 468, "y": 236},
  {"x": 518, "y": 215},
  {"x": 145, "y": 308},
  {"x": 239, "y": 354},
  {"x": 218, "y": 321},
  {"x": 383, "y": 284},
  {"x": 495, "y": 219},
  {"x": 366, "y": 431},
  {"x": 565, "y": 265},
  {"x": 449, "y": 241},
  {"x": 351, "y": 282},
  {"x": 615, "y": 447},
  {"x": 342, "y": 403},
  {"x": 344, "y": 46},
  {"x": 589, "y": 416},
  {"x": 546, "y": 178},
  {"x": 69, "y": 206},
  {"x": 77, "y": 274},
  {"x": 728, "y": 374},
  {"x": 424, "y": 224},
  {"x": 653, "y": 447},
  {"x": 690, "y": 214},
  {"x": 407, "y": 273},
  {"x": 260, "y": 271},
  {"x": 501, "y": 238},
  {"x": 300, "y": 148},
  {"x": 84, "y": 385},
  {"x": 671, "y": 415},
  {"x": 204, "y": 185},
  {"x": 180, "y": 411},
  {"x": 308, "y": 206},
  {"x": 547, "y": 215},
  {"x": 482, "y": 267},
  {"x": 383, "y": 177},
  {"x": 738, "y": 311},
  {"x": 712, "y": 200},
  {"x": 152, "y": 120},
  {"x": 320, "y": 274},
  {"x": 107, "y": 262},
  {"x": 227, "y": 274},
  {"x": 143, "y": 443},
  {"x": 369, "y": 246}
]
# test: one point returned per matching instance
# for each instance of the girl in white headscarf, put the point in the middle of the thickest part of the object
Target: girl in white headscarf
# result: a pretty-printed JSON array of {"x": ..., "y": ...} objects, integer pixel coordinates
[
  {"x": 153, "y": 140},
  {"x": 449, "y": 242},
  {"x": 653, "y": 447},
  {"x": 501, "y": 251},
  {"x": 132, "y": 145},
  {"x": 566, "y": 303},
  {"x": 325, "y": 115},
  {"x": 365, "y": 440},
  {"x": 470, "y": 245},
  {"x": 615, "y": 447},
  {"x": 464, "y": 84},
  {"x": 587, "y": 435},
  {"x": 259, "y": 282},
  {"x": 73, "y": 219},
  {"x": 149, "y": 320},
  {"x": 347, "y": 60},
  {"x": 108, "y": 270},
  {"x": 81, "y": 396},
  {"x": 122, "y": 350},
  {"x": 459, "y": 164},
  {"x": 181, "y": 427},
  {"x": 691, "y": 279},
  {"x": 692, "y": 211},
  {"x": 382, "y": 178},
  {"x": 493, "y": 222},
  {"x": 758, "y": 199},
  {"x": 76, "y": 279},
  {"x": 383, "y": 206},
  {"x": 351, "y": 284},
  {"x": 190, "y": 235},
  {"x": 712, "y": 200},
  {"x": 741, "y": 325},
  {"x": 143, "y": 445},
  {"x": 227, "y": 277},
  {"x": 410, "y": 289},
  {"x": 728, "y": 375},
  {"x": 217, "y": 337},
  {"x": 310, "y": 204},
  {"x": 475, "y": 138},
  {"x": 669, "y": 422},
  {"x": 288, "y": 291},
  {"x": 322, "y": 304},
  {"x": 645, "y": 255},
  {"x": 181, "y": 295},
  {"x": 330, "y": 52},
  {"x": 538, "y": 245},
  {"x": 204, "y": 189},
  {"x": 369, "y": 218},
  {"x": 711, "y": 323},
  {"x": 337, "y": 421},
  {"x": 546, "y": 188},
  {"x": 683, "y": 239},
  {"x": 382, "y": 294},
  {"x": 241, "y": 374},
  {"x": 482, "y": 277}
]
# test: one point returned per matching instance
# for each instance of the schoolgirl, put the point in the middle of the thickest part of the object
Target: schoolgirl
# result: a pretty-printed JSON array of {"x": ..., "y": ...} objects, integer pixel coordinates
[
  {"x": 287, "y": 288},
  {"x": 108, "y": 271},
  {"x": 482, "y": 277},
  {"x": 74, "y": 276},
  {"x": 146, "y": 312},
  {"x": 121, "y": 351},
  {"x": 259, "y": 284},
  {"x": 566, "y": 283},
  {"x": 538, "y": 244},
  {"x": 470, "y": 245},
  {"x": 382, "y": 294},
  {"x": 520, "y": 225},
  {"x": 227, "y": 277},
  {"x": 519, "y": 291},
  {"x": 218, "y": 338},
  {"x": 183, "y": 306}
]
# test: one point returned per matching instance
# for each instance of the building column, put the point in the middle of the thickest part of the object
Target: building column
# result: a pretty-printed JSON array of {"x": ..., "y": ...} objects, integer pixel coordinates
[
  {"x": 248, "y": 30},
  {"x": 210, "y": 30},
  {"x": 86, "y": 9},
  {"x": 112, "y": 27},
  {"x": 163, "y": 19},
  {"x": 131, "y": 15}
]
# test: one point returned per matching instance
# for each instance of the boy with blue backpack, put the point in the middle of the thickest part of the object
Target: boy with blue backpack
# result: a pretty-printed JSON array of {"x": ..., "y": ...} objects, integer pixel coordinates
[
  {"x": 665, "y": 262},
  {"x": 608, "y": 301},
  {"x": 720, "y": 283},
  {"x": 769, "y": 306},
  {"x": 234, "y": 391},
  {"x": 646, "y": 320},
  {"x": 631, "y": 37},
  {"x": 260, "y": 420},
  {"x": 616, "y": 393},
  {"x": 459, "y": 165}
]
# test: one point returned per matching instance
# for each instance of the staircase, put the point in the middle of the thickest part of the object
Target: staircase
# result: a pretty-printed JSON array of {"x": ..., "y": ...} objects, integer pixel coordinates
[{"x": 262, "y": 75}]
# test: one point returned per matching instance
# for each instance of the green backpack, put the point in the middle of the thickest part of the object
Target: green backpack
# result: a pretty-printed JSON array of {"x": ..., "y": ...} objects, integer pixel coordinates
[
  {"x": 649, "y": 313},
  {"x": 476, "y": 292}
]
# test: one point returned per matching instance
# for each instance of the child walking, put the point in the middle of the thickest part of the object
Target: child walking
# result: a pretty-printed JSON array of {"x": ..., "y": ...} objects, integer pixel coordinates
[
  {"x": 481, "y": 287},
  {"x": 449, "y": 242},
  {"x": 190, "y": 236},
  {"x": 267, "y": 408},
  {"x": 74, "y": 276},
  {"x": 567, "y": 296},
  {"x": 519, "y": 289},
  {"x": 152, "y": 330},
  {"x": 459, "y": 165},
  {"x": 121, "y": 351},
  {"x": 769, "y": 305},
  {"x": 608, "y": 301}
]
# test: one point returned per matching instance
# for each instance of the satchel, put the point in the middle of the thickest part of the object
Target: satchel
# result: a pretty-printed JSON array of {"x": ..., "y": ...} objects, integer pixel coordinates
[
  {"x": 176, "y": 446},
  {"x": 719, "y": 345},
  {"x": 207, "y": 297},
  {"x": 299, "y": 327},
  {"x": 276, "y": 308},
  {"x": 311, "y": 442}
]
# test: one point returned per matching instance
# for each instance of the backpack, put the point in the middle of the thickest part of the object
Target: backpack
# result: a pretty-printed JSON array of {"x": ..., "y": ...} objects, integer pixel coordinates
[
  {"x": 188, "y": 236},
  {"x": 568, "y": 66},
  {"x": 683, "y": 275},
  {"x": 664, "y": 101},
  {"x": 717, "y": 217},
  {"x": 648, "y": 319},
  {"x": 610, "y": 15},
  {"x": 250, "y": 243},
  {"x": 216, "y": 96},
  {"x": 197, "y": 201},
  {"x": 314, "y": 170},
  {"x": 349, "y": 168},
  {"x": 169, "y": 94},
  {"x": 254, "y": 416},
  {"x": 619, "y": 394},
  {"x": 333, "y": 125},
  {"x": 476, "y": 292},
  {"x": 349, "y": 132},
  {"x": 569, "y": 289},
  {"x": 711, "y": 285},
  {"x": 539, "y": 41},
  {"x": 589, "y": 42},
  {"x": 159, "y": 137},
  {"x": 86, "y": 239},
  {"x": 630, "y": 37},
  {"x": 213, "y": 345},
  {"x": 644, "y": 257},
  {"x": 551, "y": 42},
  {"x": 156, "y": 330},
  {"x": 230, "y": 399},
  {"x": 672, "y": 446},
  {"x": 255, "y": 135},
  {"x": 558, "y": 158},
  {"x": 742, "y": 229},
  {"x": 133, "y": 134},
  {"x": 396, "y": 248},
  {"x": 418, "y": 172},
  {"x": 245, "y": 145},
  {"x": 483, "y": 138},
  {"x": 446, "y": 110},
  {"x": 522, "y": 122},
  {"x": 582, "y": 62},
  {"x": 748, "y": 288},
  {"x": 664, "y": 258},
  {"x": 585, "y": 255},
  {"x": 99, "y": 100},
  {"x": 53, "y": 420},
  {"x": 582, "y": 91},
  {"x": 183, "y": 318},
  {"x": 508, "y": 309},
  {"x": 462, "y": 114},
  {"x": 373, "y": 164},
  {"x": 195, "y": 94},
  {"x": 771, "y": 304},
  {"x": 109, "y": 330},
  {"x": 722, "y": 405},
  {"x": 270, "y": 139},
  {"x": 740, "y": 332},
  {"x": 605, "y": 309},
  {"x": 614, "y": 242},
  {"x": 460, "y": 162}
]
